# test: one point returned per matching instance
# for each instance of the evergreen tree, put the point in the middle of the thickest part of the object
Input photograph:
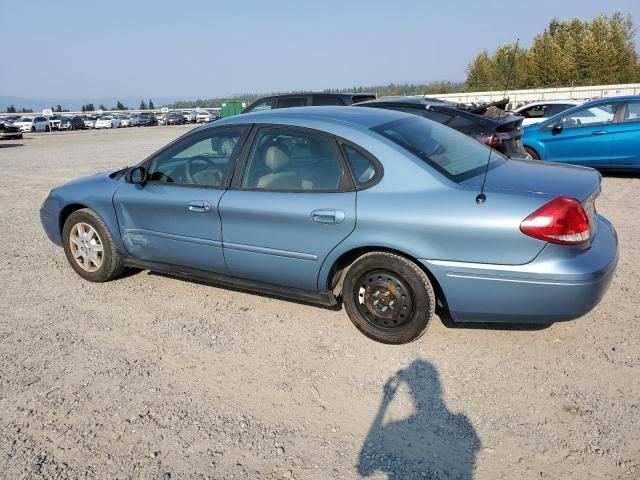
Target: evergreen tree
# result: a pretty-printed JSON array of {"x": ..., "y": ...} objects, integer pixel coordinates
[
  {"x": 143, "y": 106},
  {"x": 151, "y": 104},
  {"x": 120, "y": 106},
  {"x": 11, "y": 109},
  {"x": 567, "y": 53}
]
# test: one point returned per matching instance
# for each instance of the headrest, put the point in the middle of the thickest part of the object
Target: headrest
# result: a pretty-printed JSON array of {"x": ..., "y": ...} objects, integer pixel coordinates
[{"x": 276, "y": 157}]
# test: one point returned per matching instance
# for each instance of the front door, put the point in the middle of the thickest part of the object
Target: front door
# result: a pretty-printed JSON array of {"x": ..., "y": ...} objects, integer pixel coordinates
[
  {"x": 585, "y": 139},
  {"x": 293, "y": 203},
  {"x": 174, "y": 217}
]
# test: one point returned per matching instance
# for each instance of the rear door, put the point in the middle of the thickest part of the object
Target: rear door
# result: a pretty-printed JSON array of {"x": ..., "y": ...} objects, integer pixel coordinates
[
  {"x": 289, "y": 205},
  {"x": 626, "y": 137},
  {"x": 173, "y": 218},
  {"x": 585, "y": 138}
]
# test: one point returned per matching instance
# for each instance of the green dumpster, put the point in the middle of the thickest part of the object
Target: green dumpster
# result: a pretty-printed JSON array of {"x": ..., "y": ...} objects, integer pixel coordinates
[{"x": 228, "y": 108}]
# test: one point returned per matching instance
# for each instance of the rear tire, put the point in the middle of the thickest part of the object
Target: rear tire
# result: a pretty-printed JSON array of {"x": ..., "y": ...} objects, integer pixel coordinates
[
  {"x": 532, "y": 153},
  {"x": 388, "y": 298},
  {"x": 92, "y": 254}
]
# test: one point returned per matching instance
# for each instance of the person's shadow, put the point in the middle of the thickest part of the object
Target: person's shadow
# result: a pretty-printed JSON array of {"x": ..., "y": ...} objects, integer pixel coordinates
[{"x": 431, "y": 442}]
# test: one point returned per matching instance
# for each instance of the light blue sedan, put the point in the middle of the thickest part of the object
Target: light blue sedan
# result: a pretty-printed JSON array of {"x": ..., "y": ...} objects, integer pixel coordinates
[
  {"x": 386, "y": 212},
  {"x": 601, "y": 134}
]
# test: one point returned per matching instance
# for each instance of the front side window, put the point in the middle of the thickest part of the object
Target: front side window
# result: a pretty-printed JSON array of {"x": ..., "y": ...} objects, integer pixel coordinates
[
  {"x": 199, "y": 159},
  {"x": 263, "y": 105},
  {"x": 589, "y": 117},
  {"x": 289, "y": 159},
  {"x": 631, "y": 112},
  {"x": 537, "y": 111},
  {"x": 452, "y": 153}
]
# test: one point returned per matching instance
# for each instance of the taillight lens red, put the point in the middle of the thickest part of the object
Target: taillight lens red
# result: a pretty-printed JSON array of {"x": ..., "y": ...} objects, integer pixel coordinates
[{"x": 562, "y": 220}]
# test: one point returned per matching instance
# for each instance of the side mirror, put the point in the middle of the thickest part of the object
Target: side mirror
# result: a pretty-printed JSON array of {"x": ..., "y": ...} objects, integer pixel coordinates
[
  {"x": 557, "y": 128},
  {"x": 139, "y": 175}
]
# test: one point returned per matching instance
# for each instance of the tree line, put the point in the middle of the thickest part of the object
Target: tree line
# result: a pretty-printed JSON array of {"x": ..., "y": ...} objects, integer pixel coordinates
[{"x": 568, "y": 53}]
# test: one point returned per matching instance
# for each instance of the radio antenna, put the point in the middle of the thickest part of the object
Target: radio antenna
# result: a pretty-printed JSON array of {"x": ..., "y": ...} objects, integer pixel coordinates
[{"x": 481, "y": 198}]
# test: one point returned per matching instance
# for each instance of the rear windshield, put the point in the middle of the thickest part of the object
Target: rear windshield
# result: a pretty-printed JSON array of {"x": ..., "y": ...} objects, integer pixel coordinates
[{"x": 452, "y": 153}]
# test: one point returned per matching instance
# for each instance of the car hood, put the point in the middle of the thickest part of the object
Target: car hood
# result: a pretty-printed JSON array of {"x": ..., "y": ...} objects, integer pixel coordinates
[{"x": 534, "y": 176}]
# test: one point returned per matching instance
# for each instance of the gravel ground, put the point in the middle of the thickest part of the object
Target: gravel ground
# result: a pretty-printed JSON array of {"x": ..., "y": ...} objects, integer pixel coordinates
[{"x": 157, "y": 378}]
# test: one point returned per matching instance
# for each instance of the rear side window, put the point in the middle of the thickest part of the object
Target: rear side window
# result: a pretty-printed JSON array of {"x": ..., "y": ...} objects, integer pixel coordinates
[
  {"x": 293, "y": 160},
  {"x": 631, "y": 112},
  {"x": 364, "y": 170},
  {"x": 292, "y": 102},
  {"x": 363, "y": 98},
  {"x": 326, "y": 100},
  {"x": 455, "y": 155}
]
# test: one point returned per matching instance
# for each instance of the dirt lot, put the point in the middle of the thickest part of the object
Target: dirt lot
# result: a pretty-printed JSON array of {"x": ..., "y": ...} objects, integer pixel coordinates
[{"x": 157, "y": 378}]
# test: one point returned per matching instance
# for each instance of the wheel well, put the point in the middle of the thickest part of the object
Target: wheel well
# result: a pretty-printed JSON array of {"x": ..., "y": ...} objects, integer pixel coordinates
[
  {"x": 346, "y": 259},
  {"x": 527, "y": 147},
  {"x": 68, "y": 210}
]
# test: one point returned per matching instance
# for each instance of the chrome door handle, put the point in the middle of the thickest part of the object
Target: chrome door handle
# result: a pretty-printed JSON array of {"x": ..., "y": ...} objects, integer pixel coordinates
[
  {"x": 327, "y": 215},
  {"x": 199, "y": 206},
  {"x": 600, "y": 132}
]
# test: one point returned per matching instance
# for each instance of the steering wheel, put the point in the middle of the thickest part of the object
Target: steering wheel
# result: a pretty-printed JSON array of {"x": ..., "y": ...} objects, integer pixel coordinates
[{"x": 188, "y": 167}]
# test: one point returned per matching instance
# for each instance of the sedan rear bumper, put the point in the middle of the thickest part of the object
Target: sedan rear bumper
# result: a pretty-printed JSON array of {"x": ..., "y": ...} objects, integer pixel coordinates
[{"x": 562, "y": 283}]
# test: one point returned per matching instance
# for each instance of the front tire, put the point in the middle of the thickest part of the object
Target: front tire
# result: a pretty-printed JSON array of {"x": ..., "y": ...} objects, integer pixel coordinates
[
  {"x": 388, "y": 298},
  {"x": 89, "y": 247},
  {"x": 532, "y": 153}
]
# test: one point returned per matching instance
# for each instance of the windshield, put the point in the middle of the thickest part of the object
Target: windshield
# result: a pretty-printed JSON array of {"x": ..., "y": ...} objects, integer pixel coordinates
[
  {"x": 452, "y": 153},
  {"x": 26, "y": 119}
]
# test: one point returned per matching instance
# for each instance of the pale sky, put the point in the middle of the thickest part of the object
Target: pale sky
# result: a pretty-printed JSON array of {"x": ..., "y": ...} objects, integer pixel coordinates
[{"x": 204, "y": 49}]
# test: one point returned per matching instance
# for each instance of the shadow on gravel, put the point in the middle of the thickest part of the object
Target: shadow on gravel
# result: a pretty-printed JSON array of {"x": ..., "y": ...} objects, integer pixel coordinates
[
  {"x": 431, "y": 443},
  {"x": 614, "y": 174},
  {"x": 247, "y": 290},
  {"x": 448, "y": 322},
  {"x": 9, "y": 145}
]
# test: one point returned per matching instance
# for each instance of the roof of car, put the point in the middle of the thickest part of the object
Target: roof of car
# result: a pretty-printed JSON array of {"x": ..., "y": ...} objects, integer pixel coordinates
[
  {"x": 331, "y": 94},
  {"x": 410, "y": 100},
  {"x": 363, "y": 117}
]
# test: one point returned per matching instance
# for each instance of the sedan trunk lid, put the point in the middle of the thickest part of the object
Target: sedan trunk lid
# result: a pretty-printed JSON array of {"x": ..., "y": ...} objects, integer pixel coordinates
[{"x": 534, "y": 176}]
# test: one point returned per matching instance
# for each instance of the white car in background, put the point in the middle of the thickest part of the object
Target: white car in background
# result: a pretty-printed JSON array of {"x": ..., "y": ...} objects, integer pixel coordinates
[
  {"x": 537, "y": 112},
  {"x": 33, "y": 124},
  {"x": 107, "y": 121},
  {"x": 90, "y": 122},
  {"x": 189, "y": 116},
  {"x": 125, "y": 121},
  {"x": 204, "y": 117}
]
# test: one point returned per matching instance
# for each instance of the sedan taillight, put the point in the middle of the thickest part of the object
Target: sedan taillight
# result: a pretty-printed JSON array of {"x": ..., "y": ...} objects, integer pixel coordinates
[{"x": 562, "y": 220}]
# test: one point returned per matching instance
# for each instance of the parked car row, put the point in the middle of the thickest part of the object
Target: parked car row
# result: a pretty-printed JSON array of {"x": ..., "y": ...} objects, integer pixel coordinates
[{"x": 41, "y": 123}]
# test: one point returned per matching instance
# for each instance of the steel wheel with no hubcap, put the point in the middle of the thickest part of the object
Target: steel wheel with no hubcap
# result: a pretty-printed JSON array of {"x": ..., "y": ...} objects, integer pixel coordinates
[
  {"x": 86, "y": 246},
  {"x": 384, "y": 299}
]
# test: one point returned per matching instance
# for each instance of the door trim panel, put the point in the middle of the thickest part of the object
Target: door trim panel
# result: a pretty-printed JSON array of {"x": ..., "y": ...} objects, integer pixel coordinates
[
  {"x": 132, "y": 232},
  {"x": 271, "y": 251}
]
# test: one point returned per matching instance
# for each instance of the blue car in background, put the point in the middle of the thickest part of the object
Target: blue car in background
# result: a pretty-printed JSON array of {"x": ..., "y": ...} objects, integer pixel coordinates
[
  {"x": 600, "y": 134},
  {"x": 385, "y": 212}
]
